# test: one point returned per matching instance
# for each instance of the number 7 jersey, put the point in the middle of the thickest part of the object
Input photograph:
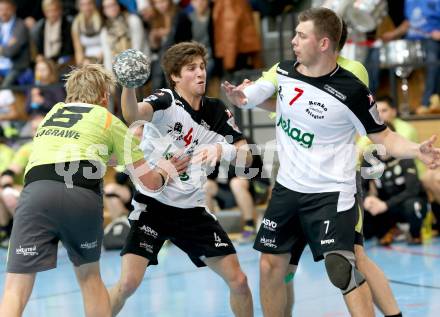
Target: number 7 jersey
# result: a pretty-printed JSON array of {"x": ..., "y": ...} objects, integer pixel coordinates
[
  {"x": 79, "y": 131},
  {"x": 317, "y": 119}
]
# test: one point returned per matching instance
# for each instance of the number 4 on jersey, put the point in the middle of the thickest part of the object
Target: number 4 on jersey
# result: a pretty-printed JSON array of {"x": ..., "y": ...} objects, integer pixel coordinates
[{"x": 299, "y": 93}]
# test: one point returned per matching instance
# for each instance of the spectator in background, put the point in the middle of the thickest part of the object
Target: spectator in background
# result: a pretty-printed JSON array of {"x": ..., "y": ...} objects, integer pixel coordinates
[
  {"x": 51, "y": 34},
  {"x": 121, "y": 31},
  {"x": 202, "y": 30},
  {"x": 16, "y": 169},
  {"x": 274, "y": 8},
  {"x": 130, "y": 5},
  {"x": 14, "y": 44},
  {"x": 400, "y": 198},
  {"x": 8, "y": 110},
  {"x": 236, "y": 40},
  {"x": 422, "y": 22},
  {"x": 46, "y": 92},
  {"x": 9, "y": 114},
  {"x": 86, "y": 33},
  {"x": 168, "y": 26},
  {"x": 145, "y": 11},
  {"x": 118, "y": 194},
  {"x": 388, "y": 112}
]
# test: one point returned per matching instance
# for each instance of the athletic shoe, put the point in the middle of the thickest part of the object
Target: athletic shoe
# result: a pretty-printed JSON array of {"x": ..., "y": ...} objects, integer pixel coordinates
[{"x": 387, "y": 238}]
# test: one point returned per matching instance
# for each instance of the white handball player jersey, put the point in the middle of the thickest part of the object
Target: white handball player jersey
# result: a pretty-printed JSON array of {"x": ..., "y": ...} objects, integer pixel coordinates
[
  {"x": 317, "y": 119},
  {"x": 178, "y": 127}
]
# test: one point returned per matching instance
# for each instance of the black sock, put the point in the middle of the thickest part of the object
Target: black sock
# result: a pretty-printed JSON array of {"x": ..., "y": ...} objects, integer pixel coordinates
[
  {"x": 398, "y": 315},
  {"x": 250, "y": 223}
]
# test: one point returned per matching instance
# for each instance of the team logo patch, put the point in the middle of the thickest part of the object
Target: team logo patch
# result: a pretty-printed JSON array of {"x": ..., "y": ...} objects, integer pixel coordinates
[
  {"x": 304, "y": 139},
  {"x": 89, "y": 245},
  {"x": 205, "y": 125},
  {"x": 31, "y": 251},
  {"x": 176, "y": 132},
  {"x": 147, "y": 247},
  {"x": 316, "y": 110},
  {"x": 269, "y": 224},
  {"x": 218, "y": 241},
  {"x": 269, "y": 243},
  {"x": 327, "y": 241},
  {"x": 335, "y": 92},
  {"x": 148, "y": 231}
]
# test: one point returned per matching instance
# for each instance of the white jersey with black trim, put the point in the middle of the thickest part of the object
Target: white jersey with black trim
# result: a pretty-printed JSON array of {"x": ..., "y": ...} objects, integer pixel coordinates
[
  {"x": 317, "y": 119},
  {"x": 176, "y": 127}
]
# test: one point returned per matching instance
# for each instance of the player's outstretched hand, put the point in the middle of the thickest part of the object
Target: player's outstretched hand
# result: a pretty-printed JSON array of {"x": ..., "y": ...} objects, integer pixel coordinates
[
  {"x": 235, "y": 94},
  {"x": 208, "y": 154},
  {"x": 429, "y": 154}
]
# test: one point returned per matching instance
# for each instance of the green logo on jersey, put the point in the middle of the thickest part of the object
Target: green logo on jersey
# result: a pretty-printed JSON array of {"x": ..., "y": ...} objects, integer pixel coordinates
[{"x": 304, "y": 139}]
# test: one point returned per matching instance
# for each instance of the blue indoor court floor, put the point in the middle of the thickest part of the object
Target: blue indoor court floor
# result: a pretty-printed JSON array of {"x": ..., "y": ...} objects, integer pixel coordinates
[{"x": 176, "y": 288}]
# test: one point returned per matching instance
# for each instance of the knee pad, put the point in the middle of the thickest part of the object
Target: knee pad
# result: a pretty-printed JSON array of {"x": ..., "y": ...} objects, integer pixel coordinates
[{"x": 342, "y": 272}]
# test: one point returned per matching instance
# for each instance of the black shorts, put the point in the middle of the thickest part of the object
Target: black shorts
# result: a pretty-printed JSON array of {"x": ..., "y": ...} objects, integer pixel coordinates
[
  {"x": 195, "y": 231},
  {"x": 48, "y": 212},
  {"x": 298, "y": 248},
  {"x": 293, "y": 219}
]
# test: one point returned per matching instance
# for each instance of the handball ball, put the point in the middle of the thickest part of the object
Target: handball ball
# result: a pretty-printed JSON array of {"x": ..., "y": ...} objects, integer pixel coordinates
[{"x": 132, "y": 68}]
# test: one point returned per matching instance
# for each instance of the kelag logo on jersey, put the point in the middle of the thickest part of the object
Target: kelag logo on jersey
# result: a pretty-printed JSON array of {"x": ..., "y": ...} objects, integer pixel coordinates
[{"x": 304, "y": 139}]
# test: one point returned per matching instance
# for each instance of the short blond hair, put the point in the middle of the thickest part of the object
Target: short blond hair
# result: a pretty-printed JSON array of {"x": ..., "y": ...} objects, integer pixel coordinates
[{"x": 89, "y": 84}]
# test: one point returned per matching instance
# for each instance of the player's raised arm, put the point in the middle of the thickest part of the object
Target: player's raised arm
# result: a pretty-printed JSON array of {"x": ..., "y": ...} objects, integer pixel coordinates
[
  {"x": 132, "y": 110},
  {"x": 132, "y": 69}
]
